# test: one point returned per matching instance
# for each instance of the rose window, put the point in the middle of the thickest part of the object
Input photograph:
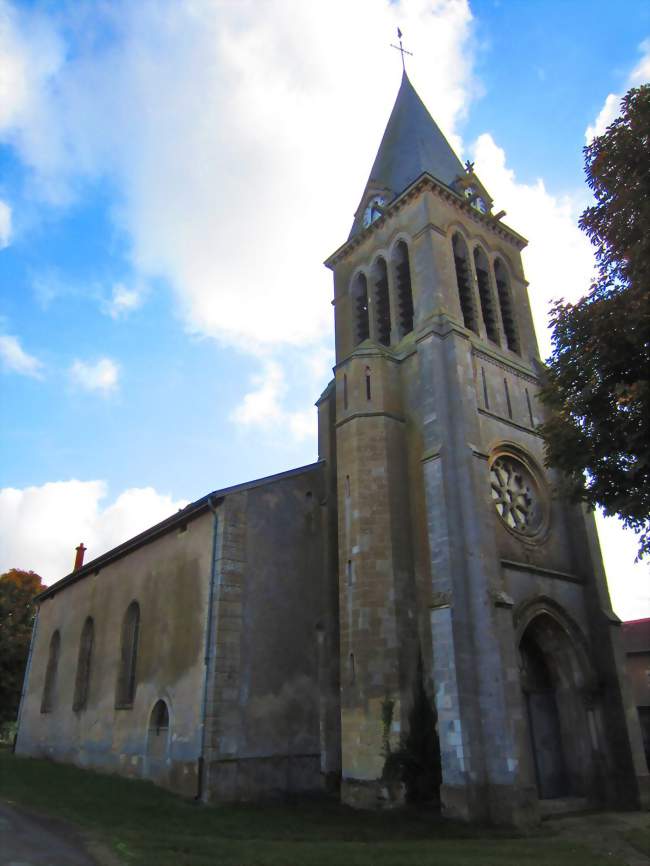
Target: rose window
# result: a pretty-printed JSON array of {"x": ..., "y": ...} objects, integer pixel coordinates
[{"x": 516, "y": 495}]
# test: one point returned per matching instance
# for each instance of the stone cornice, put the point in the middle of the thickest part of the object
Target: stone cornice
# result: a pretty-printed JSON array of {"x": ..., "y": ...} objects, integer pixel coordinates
[
  {"x": 351, "y": 417},
  {"x": 427, "y": 183}
]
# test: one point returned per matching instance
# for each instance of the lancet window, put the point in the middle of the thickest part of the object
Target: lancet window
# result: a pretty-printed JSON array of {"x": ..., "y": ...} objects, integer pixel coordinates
[
  {"x": 403, "y": 288},
  {"x": 47, "y": 701},
  {"x": 485, "y": 294},
  {"x": 381, "y": 303},
  {"x": 505, "y": 303},
  {"x": 464, "y": 282},
  {"x": 84, "y": 660},
  {"x": 126, "y": 681},
  {"x": 360, "y": 306}
]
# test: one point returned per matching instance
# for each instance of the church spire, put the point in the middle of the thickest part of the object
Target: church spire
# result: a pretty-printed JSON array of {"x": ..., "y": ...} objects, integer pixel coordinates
[{"x": 412, "y": 144}]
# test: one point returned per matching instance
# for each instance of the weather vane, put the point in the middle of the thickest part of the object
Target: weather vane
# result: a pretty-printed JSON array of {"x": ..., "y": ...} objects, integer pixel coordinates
[{"x": 401, "y": 49}]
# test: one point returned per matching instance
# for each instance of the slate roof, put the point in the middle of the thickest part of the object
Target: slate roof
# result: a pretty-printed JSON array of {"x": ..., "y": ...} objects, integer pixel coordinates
[{"x": 412, "y": 144}]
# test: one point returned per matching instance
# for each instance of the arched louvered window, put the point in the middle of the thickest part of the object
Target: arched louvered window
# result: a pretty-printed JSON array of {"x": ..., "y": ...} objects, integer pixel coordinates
[
  {"x": 360, "y": 306},
  {"x": 126, "y": 681},
  {"x": 505, "y": 303},
  {"x": 381, "y": 303},
  {"x": 404, "y": 294},
  {"x": 464, "y": 282},
  {"x": 84, "y": 660},
  {"x": 47, "y": 701},
  {"x": 485, "y": 294}
]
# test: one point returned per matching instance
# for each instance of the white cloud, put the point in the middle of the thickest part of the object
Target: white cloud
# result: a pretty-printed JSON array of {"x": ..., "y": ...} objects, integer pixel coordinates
[
  {"x": 122, "y": 301},
  {"x": 102, "y": 376},
  {"x": 41, "y": 526},
  {"x": 225, "y": 127},
  {"x": 607, "y": 114},
  {"x": 262, "y": 408},
  {"x": 629, "y": 581},
  {"x": 5, "y": 224},
  {"x": 16, "y": 360},
  {"x": 559, "y": 261},
  {"x": 611, "y": 107}
]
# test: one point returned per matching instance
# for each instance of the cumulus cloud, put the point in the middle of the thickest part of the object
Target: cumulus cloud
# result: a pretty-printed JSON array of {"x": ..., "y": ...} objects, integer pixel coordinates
[
  {"x": 558, "y": 262},
  {"x": 41, "y": 526},
  {"x": 5, "y": 224},
  {"x": 628, "y": 580},
  {"x": 122, "y": 301},
  {"x": 610, "y": 110},
  {"x": 262, "y": 408},
  {"x": 101, "y": 376},
  {"x": 225, "y": 176},
  {"x": 15, "y": 360}
]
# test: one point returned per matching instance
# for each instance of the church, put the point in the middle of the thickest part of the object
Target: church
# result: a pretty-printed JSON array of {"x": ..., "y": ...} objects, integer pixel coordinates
[{"x": 276, "y": 636}]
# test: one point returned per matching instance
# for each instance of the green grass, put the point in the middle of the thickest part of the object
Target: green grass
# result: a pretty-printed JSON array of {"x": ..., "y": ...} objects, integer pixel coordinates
[
  {"x": 146, "y": 825},
  {"x": 639, "y": 839}
]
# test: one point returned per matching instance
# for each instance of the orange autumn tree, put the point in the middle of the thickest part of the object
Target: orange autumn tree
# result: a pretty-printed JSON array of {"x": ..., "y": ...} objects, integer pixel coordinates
[{"x": 17, "y": 611}]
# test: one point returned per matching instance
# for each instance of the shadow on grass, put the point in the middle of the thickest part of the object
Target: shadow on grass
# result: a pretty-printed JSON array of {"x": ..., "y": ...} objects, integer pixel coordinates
[{"x": 147, "y": 825}]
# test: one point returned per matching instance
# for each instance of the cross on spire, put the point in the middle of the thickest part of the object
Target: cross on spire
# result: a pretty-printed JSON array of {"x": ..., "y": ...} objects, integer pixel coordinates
[{"x": 401, "y": 49}]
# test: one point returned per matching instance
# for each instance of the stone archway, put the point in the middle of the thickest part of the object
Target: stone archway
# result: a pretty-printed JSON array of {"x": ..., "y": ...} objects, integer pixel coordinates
[
  {"x": 158, "y": 740},
  {"x": 556, "y": 682}
]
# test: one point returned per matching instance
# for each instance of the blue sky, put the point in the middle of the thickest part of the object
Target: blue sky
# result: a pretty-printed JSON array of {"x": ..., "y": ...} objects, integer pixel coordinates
[{"x": 171, "y": 178}]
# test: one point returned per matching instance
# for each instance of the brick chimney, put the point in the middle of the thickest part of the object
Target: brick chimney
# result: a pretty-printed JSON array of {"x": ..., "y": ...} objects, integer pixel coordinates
[{"x": 79, "y": 558}]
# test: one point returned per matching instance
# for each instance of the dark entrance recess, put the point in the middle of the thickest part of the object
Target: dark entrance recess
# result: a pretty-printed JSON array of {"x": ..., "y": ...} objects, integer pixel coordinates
[{"x": 543, "y": 722}]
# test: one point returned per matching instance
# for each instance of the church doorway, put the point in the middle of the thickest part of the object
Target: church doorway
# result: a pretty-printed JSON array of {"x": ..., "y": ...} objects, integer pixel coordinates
[
  {"x": 157, "y": 739},
  {"x": 554, "y": 685}
]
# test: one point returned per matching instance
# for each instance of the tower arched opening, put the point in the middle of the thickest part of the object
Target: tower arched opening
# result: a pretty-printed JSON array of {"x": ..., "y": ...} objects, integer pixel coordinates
[
  {"x": 485, "y": 294},
  {"x": 505, "y": 303},
  {"x": 464, "y": 282},
  {"x": 360, "y": 308},
  {"x": 381, "y": 302},
  {"x": 403, "y": 288}
]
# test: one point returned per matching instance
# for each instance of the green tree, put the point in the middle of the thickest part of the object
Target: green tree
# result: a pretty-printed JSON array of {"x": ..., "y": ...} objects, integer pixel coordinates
[
  {"x": 597, "y": 384},
  {"x": 17, "y": 611}
]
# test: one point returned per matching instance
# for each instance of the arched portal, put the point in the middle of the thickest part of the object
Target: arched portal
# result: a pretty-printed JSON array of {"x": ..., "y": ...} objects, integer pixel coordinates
[
  {"x": 158, "y": 738},
  {"x": 556, "y": 685}
]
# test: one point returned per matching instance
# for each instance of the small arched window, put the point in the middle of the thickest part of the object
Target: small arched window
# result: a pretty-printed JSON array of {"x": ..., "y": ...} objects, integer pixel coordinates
[
  {"x": 403, "y": 288},
  {"x": 47, "y": 701},
  {"x": 360, "y": 306},
  {"x": 464, "y": 283},
  {"x": 381, "y": 302},
  {"x": 505, "y": 303},
  {"x": 126, "y": 682},
  {"x": 84, "y": 660},
  {"x": 485, "y": 294},
  {"x": 158, "y": 736},
  {"x": 159, "y": 721}
]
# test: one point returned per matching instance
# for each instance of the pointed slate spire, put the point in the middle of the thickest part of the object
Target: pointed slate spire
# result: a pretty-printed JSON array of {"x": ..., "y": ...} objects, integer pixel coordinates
[{"x": 412, "y": 144}]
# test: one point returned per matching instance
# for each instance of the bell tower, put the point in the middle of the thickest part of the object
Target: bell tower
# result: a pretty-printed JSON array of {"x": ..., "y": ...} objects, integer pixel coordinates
[{"x": 457, "y": 563}]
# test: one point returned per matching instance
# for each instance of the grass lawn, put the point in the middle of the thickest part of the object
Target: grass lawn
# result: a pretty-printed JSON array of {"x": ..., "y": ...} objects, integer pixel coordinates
[{"x": 146, "y": 825}]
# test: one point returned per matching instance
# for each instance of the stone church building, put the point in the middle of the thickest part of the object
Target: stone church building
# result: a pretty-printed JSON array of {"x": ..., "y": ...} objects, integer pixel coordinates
[{"x": 272, "y": 636}]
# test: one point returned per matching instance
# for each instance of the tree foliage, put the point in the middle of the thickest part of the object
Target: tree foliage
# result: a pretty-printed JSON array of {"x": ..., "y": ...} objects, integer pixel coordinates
[
  {"x": 17, "y": 611},
  {"x": 597, "y": 384}
]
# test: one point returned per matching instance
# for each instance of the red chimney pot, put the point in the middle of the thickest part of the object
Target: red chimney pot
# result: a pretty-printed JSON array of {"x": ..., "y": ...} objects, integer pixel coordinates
[{"x": 79, "y": 558}]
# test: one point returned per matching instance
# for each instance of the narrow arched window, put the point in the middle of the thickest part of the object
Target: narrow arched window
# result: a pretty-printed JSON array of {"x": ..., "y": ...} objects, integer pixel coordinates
[
  {"x": 505, "y": 303},
  {"x": 47, "y": 701},
  {"x": 485, "y": 294},
  {"x": 84, "y": 660},
  {"x": 159, "y": 721},
  {"x": 381, "y": 303},
  {"x": 158, "y": 736},
  {"x": 360, "y": 305},
  {"x": 126, "y": 681},
  {"x": 403, "y": 289},
  {"x": 464, "y": 283}
]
